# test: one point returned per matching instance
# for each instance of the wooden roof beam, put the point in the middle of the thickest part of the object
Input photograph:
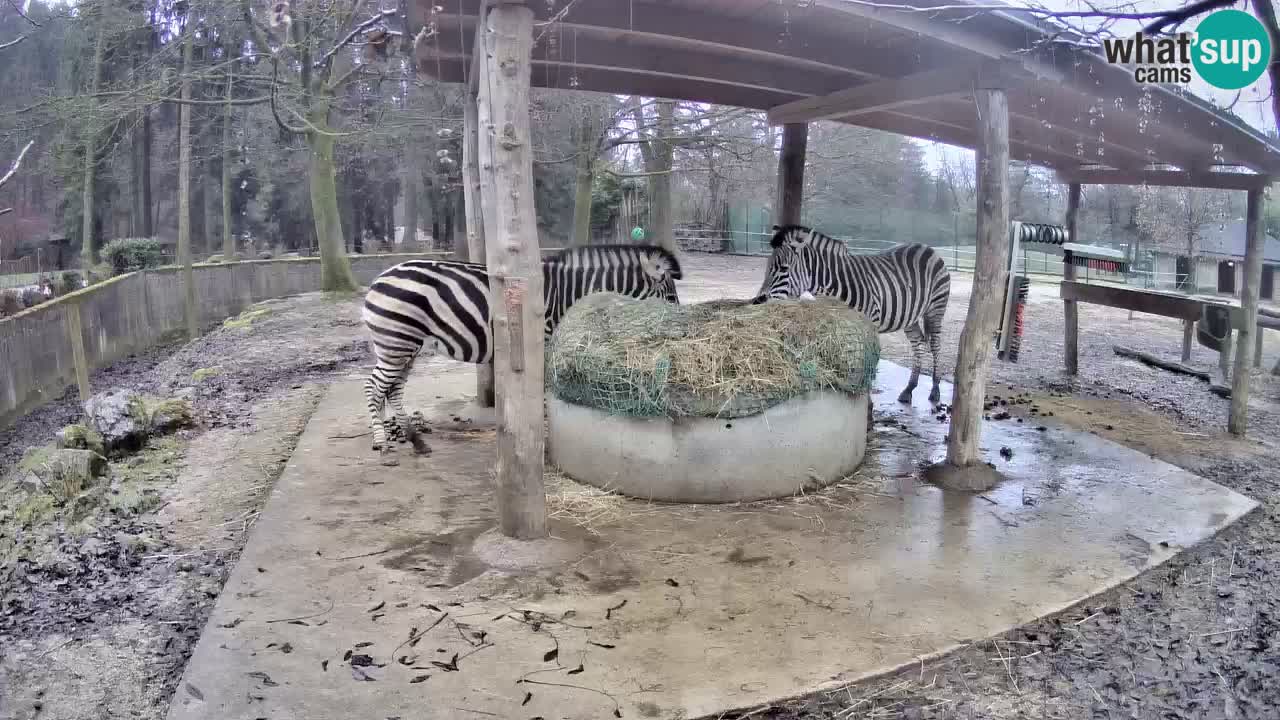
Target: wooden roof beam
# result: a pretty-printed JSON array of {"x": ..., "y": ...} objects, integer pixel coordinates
[
  {"x": 667, "y": 26},
  {"x": 1166, "y": 178},
  {"x": 896, "y": 92}
]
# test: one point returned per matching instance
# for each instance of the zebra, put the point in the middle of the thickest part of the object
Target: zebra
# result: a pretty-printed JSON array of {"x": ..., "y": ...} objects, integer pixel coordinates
[
  {"x": 903, "y": 288},
  {"x": 440, "y": 305}
]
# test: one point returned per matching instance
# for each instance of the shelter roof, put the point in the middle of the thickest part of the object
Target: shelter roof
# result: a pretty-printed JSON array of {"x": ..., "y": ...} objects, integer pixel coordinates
[{"x": 1068, "y": 107}]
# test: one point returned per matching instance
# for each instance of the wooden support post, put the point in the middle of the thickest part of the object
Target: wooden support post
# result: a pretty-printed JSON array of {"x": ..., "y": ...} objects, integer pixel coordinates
[
  {"x": 75, "y": 333},
  {"x": 515, "y": 267},
  {"x": 795, "y": 140},
  {"x": 472, "y": 198},
  {"x": 1071, "y": 336},
  {"x": 1257, "y": 349},
  {"x": 1238, "y": 420},
  {"x": 1188, "y": 331},
  {"x": 974, "y": 354}
]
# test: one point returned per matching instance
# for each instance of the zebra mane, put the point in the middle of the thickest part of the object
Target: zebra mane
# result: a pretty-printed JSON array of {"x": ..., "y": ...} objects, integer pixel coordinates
[
  {"x": 818, "y": 241},
  {"x": 586, "y": 253}
]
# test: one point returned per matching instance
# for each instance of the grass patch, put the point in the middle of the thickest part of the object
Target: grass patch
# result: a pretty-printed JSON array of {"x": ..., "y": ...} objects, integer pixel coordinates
[{"x": 203, "y": 374}]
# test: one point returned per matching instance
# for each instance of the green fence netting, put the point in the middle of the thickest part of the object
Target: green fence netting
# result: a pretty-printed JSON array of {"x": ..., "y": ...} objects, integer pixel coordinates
[{"x": 726, "y": 359}]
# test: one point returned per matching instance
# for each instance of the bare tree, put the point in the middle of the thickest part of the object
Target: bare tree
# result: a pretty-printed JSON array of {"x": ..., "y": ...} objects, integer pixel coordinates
[{"x": 1175, "y": 219}]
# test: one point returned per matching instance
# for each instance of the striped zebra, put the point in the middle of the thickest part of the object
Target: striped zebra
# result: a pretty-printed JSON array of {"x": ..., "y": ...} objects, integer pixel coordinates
[
  {"x": 443, "y": 306},
  {"x": 903, "y": 288}
]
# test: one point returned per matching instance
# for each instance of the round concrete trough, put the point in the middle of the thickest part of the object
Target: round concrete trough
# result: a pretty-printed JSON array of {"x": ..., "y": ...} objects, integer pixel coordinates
[{"x": 804, "y": 443}]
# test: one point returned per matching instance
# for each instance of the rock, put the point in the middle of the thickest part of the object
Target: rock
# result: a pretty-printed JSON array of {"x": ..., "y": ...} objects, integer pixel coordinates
[
  {"x": 117, "y": 418},
  {"x": 81, "y": 437},
  {"x": 264, "y": 255},
  {"x": 166, "y": 416},
  {"x": 61, "y": 472}
]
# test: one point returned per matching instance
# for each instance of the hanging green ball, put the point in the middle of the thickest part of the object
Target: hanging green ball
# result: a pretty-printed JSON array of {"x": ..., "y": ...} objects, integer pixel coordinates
[{"x": 637, "y": 234}]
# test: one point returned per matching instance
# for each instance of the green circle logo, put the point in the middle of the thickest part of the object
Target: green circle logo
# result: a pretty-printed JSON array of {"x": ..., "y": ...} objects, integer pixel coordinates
[{"x": 1232, "y": 49}]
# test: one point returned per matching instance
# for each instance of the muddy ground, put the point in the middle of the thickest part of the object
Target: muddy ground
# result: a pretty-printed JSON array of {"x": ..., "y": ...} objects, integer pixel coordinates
[
  {"x": 1197, "y": 638},
  {"x": 100, "y": 620},
  {"x": 104, "y": 628}
]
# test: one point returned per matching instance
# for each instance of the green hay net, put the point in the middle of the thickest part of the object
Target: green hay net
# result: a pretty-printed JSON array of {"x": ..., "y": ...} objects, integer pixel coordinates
[{"x": 724, "y": 359}]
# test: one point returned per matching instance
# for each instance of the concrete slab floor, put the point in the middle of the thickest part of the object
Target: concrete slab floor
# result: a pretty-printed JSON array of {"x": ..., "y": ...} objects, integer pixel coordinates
[{"x": 642, "y": 610}]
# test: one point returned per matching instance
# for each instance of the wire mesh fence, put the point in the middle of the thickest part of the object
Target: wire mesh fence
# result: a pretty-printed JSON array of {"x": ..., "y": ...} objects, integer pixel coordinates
[{"x": 958, "y": 257}]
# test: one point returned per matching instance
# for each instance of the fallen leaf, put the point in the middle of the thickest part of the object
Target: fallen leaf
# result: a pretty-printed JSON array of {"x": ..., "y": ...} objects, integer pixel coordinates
[
  {"x": 362, "y": 645},
  {"x": 551, "y": 655},
  {"x": 606, "y": 646},
  {"x": 527, "y": 697},
  {"x": 286, "y": 648},
  {"x": 231, "y": 624},
  {"x": 264, "y": 678},
  {"x": 418, "y": 679},
  {"x": 672, "y": 583},
  {"x": 576, "y": 670},
  {"x": 431, "y": 607},
  {"x": 324, "y": 665},
  {"x": 377, "y": 607},
  {"x": 300, "y": 622},
  {"x": 195, "y": 692}
]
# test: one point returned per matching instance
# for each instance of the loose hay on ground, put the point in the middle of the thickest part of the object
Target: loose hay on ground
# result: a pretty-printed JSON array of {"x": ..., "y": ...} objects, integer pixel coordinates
[{"x": 650, "y": 358}]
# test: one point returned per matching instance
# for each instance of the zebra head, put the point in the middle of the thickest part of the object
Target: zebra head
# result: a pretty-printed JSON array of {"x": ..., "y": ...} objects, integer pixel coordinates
[
  {"x": 662, "y": 269},
  {"x": 787, "y": 273}
]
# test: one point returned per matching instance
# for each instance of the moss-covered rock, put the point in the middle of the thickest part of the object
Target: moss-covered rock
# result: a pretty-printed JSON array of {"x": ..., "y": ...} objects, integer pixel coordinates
[
  {"x": 170, "y": 415},
  {"x": 81, "y": 437}
]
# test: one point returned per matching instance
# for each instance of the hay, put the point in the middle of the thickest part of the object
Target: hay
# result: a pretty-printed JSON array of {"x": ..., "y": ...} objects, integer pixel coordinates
[{"x": 726, "y": 359}]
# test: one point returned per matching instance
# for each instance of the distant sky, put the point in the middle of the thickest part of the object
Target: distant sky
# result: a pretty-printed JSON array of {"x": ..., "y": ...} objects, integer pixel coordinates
[{"x": 1253, "y": 106}]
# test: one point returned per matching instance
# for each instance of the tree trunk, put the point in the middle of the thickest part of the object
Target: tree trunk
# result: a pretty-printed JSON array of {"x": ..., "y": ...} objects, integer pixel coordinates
[
  {"x": 1238, "y": 420},
  {"x": 184, "y": 187},
  {"x": 515, "y": 268},
  {"x": 795, "y": 139},
  {"x": 148, "y": 209},
  {"x": 88, "y": 242},
  {"x": 1069, "y": 309},
  {"x": 475, "y": 220},
  {"x": 974, "y": 356},
  {"x": 660, "y": 221},
  {"x": 335, "y": 267},
  {"x": 585, "y": 179},
  {"x": 412, "y": 173},
  {"x": 228, "y": 236}
]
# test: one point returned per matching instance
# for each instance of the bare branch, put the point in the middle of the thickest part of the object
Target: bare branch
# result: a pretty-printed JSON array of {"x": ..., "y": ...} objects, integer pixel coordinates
[
  {"x": 1179, "y": 16},
  {"x": 355, "y": 32},
  {"x": 16, "y": 164},
  {"x": 22, "y": 13},
  {"x": 12, "y": 42},
  {"x": 275, "y": 112}
]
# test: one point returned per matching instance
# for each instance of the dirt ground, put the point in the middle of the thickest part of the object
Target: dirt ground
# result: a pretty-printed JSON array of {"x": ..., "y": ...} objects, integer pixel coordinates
[
  {"x": 101, "y": 624},
  {"x": 104, "y": 631}
]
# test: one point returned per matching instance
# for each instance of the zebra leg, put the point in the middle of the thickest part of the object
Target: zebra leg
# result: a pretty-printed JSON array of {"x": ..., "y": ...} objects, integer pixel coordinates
[
  {"x": 916, "y": 336},
  {"x": 933, "y": 329},
  {"x": 376, "y": 394}
]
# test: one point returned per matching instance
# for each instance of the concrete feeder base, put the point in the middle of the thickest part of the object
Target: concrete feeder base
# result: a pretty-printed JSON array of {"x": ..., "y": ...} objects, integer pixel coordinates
[{"x": 807, "y": 442}]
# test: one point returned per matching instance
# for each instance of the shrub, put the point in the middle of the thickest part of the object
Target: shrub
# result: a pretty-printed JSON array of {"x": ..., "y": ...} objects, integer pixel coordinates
[
  {"x": 130, "y": 254},
  {"x": 70, "y": 282},
  {"x": 32, "y": 297},
  {"x": 10, "y": 303}
]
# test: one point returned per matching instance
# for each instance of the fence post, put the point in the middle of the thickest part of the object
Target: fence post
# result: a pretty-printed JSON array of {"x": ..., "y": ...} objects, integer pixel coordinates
[{"x": 75, "y": 332}]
